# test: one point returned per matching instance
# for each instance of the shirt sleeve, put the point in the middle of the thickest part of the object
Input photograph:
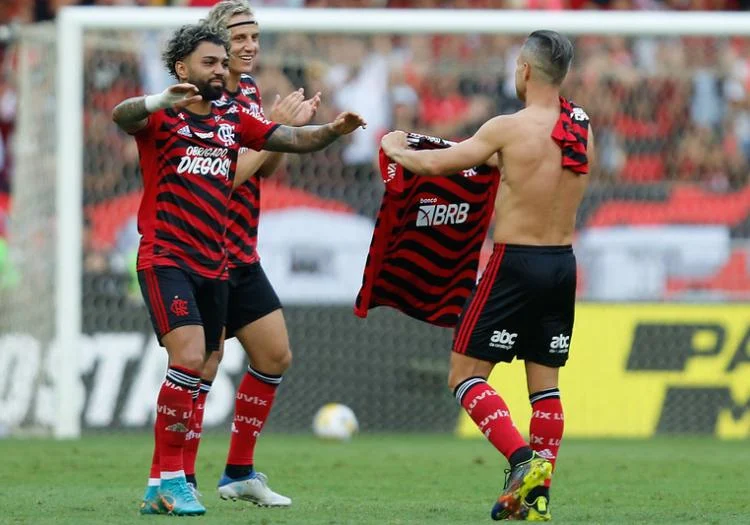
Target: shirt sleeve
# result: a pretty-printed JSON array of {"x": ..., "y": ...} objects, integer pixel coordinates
[
  {"x": 255, "y": 130},
  {"x": 152, "y": 124}
]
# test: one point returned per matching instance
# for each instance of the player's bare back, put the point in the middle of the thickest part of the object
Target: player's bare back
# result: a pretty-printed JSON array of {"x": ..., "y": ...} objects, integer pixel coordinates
[{"x": 538, "y": 199}]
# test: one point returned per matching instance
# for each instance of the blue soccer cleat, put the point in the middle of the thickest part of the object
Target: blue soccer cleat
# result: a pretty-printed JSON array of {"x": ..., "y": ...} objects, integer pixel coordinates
[
  {"x": 177, "y": 499},
  {"x": 151, "y": 503}
]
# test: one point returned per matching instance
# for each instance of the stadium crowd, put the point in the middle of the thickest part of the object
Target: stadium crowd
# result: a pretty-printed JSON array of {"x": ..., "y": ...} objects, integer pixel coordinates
[{"x": 665, "y": 109}]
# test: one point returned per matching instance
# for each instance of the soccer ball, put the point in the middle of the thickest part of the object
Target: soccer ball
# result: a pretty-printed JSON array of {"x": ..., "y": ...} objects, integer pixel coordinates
[{"x": 335, "y": 421}]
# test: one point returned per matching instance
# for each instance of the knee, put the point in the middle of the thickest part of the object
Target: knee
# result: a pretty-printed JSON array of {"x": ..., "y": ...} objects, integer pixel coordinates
[
  {"x": 455, "y": 378},
  {"x": 279, "y": 361},
  {"x": 284, "y": 360},
  {"x": 275, "y": 360},
  {"x": 190, "y": 356},
  {"x": 211, "y": 366}
]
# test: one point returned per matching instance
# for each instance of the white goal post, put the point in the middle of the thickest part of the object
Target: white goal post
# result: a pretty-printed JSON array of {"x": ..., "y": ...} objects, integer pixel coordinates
[{"x": 73, "y": 21}]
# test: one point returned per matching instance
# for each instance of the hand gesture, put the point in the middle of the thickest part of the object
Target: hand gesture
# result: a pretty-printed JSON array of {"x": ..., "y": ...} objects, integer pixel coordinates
[
  {"x": 294, "y": 110},
  {"x": 181, "y": 95},
  {"x": 347, "y": 122},
  {"x": 308, "y": 110},
  {"x": 394, "y": 141}
]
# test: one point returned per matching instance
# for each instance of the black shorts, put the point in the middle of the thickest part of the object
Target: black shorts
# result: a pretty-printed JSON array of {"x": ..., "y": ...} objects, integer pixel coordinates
[
  {"x": 251, "y": 297},
  {"x": 522, "y": 307},
  {"x": 175, "y": 298}
]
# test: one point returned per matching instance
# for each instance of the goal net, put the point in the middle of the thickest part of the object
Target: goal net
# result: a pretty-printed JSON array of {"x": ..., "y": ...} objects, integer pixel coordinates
[{"x": 666, "y": 219}]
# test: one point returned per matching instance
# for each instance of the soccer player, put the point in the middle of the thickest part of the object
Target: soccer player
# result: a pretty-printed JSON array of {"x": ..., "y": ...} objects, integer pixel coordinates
[
  {"x": 523, "y": 306},
  {"x": 188, "y": 154},
  {"x": 254, "y": 312}
]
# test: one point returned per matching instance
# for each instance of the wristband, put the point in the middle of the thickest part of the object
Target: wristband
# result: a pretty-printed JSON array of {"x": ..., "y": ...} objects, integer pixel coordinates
[{"x": 154, "y": 102}]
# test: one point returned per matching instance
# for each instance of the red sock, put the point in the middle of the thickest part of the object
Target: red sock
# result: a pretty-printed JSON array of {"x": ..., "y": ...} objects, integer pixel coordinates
[
  {"x": 173, "y": 409},
  {"x": 547, "y": 424},
  {"x": 154, "y": 473},
  {"x": 251, "y": 408},
  {"x": 193, "y": 437},
  {"x": 491, "y": 414}
]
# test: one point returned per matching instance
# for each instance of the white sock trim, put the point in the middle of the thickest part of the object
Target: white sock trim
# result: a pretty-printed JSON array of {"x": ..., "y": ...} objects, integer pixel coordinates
[
  {"x": 154, "y": 482},
  {"x": 172, "y": 475},
  {"x": 465, "y": 386}
]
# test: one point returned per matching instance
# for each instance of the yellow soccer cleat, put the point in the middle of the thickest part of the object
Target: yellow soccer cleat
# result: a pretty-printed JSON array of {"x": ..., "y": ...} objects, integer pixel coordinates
[
  {"x": 520, "y": 481},
  {"x": 536, "y": 511}
]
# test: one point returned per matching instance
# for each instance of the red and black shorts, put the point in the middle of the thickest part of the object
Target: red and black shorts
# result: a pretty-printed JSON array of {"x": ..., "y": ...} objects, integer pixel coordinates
[
  {"x": 251, "y": 296},
  {"x": 175, "y": 298},
  {"x": 523, "y": 307}
]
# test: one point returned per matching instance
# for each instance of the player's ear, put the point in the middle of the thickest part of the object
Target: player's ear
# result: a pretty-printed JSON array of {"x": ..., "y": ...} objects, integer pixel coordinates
[
  {"x": 180, "y": 68},
  {"x": 526, "y": 71}
]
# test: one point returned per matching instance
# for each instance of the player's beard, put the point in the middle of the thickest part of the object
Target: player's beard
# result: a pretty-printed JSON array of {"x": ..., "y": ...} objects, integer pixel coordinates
[{"x": 209, "y": 91}]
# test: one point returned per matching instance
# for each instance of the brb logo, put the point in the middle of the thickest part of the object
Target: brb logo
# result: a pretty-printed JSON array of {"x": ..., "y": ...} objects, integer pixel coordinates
[
  {"x": 559, "y": 344},
  {"x": 503, "y": 339},
  {"x": 439, "y": 214}
]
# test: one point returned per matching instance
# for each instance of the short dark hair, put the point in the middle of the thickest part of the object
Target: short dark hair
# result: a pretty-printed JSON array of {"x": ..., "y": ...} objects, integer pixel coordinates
[
  {"x": 187, "y": 38},
  {"x": 551, "y": 53}
]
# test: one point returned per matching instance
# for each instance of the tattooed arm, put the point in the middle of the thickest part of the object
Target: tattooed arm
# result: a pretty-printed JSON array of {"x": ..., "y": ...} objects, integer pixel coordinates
[
  {"x": 312, "y": 138},
  {"x": 293, "y": 110},
  {"x": 132, "y": 114}
]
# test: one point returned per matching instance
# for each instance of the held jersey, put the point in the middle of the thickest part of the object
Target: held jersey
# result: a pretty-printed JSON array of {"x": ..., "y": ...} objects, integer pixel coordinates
[
  {"x": 571, "y": 133},
  {"x": 425, "y": 248},
  {"x": 188, "y": 163},
  {"x": 244, "y": 207}
]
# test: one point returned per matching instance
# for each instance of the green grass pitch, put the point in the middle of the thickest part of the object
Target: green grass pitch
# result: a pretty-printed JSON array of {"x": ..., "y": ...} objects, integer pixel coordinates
[{"x": 383, "y": 479}]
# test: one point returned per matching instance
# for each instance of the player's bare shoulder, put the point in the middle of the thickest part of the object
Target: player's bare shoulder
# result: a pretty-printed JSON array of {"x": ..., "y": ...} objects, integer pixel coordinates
[{"x": 498, "y": 131}]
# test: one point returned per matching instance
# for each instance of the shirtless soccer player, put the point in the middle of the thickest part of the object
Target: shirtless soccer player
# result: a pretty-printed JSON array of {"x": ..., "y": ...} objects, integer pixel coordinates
[
  {"x": 188, "y": 154},
  {"x": 524, "y": 303}
]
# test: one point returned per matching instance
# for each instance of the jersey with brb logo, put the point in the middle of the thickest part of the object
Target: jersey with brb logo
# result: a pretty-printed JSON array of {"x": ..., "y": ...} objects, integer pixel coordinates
[
  {"x": 428, "y": 236},
  {"x": 188, "y": 163},
  {"x": 244, "y": 208}
]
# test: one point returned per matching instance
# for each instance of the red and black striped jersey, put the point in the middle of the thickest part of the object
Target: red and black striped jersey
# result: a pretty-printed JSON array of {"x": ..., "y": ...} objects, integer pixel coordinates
[
  {"x": 244, "y": 208},
  {"x": 188, "y": 163},
  {"x": 572, "y": 135},
  {"x": 424, "y": 254}
]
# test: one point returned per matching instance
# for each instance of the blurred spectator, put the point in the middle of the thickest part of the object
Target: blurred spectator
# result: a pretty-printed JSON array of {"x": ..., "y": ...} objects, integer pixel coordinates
[{"x": 360, "y": 80}]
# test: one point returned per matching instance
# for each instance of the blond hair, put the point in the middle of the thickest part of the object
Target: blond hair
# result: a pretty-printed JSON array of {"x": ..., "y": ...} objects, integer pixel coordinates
[{"x": 223, "y": 12}]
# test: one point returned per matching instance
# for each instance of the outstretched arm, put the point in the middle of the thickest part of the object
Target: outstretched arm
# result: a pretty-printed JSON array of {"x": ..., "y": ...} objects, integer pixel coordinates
[
  {"x": 131, "y": 115},
  {"x": 312, "y": 138},
  {"x": 477, "y": 150}
]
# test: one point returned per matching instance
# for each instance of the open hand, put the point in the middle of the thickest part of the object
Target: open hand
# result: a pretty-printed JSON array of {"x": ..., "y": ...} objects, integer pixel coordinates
[
  {"x": 308, "y": 110},
  {"x": 181, "y": 95},
  {"x": 294, "y": 110},
  {"x": 347, "y": 122}
]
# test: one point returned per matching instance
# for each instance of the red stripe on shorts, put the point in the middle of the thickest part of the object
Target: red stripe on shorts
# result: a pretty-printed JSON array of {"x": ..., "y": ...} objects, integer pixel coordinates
[
  {"x": 479, "y": 300},
  {"x": 157, "y": 303}
]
